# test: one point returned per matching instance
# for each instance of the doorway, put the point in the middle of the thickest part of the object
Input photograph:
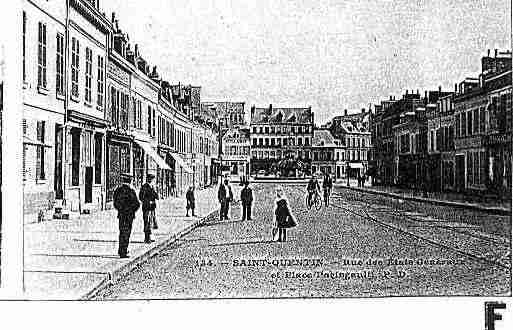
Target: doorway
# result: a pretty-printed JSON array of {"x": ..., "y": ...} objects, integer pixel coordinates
[{"x": 88, "y": 194}]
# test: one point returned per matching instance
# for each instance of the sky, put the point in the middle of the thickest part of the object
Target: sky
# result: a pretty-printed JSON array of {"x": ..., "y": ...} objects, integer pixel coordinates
[{"x": 328, "y": 54}]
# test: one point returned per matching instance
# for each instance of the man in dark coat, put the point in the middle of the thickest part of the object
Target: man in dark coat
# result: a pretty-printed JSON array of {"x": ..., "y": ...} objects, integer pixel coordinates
[
  {"x": 246, "y": 198},
  {"x": 126, "y": 203},
  {"x": 327, "y": 185},
  {"x": 148, "y": 197},
  {"x": 221, "y": 197},
  {"x": 189, "y": 196}
]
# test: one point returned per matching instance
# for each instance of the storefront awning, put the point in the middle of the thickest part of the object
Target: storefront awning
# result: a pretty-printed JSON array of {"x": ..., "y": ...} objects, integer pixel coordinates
[
  {"x": 153, "y": 154},
  {"x": 181, "y": 162},
  {"x": 355, "y": 165}
]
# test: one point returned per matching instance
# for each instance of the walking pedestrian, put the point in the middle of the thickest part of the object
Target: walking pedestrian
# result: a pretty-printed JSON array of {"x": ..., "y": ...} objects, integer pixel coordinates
[
  {"x": 148, "y": 197},
  {"x": 246, "y": 198},
  {"x": 126, "y": 203},
  {"x": 189, "y": 196},
  {"x": 222, "y": 196},
  {"x": 284, "y": 218}
]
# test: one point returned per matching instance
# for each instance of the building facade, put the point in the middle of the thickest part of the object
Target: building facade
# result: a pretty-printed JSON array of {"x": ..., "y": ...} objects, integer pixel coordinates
[
  {"x": 85, "y": 132},
  {"x": 44, "y": 93},
  {"x": 236, "y": 151},
  {"x": 281, "y": 133},
  {"x": 355, "y": 144}
]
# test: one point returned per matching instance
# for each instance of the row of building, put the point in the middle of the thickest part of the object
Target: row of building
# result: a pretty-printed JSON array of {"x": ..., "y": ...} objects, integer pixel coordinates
[
  {"x": 456, "y": 140},
  {"x": 285, "y": 142},
  {"x": 94, "y": 109}
]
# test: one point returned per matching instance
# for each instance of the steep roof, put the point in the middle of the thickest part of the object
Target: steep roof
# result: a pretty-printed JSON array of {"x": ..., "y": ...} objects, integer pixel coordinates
[
  {"x": 281, "y": 115},
  {"x": 323, "y": 138}
]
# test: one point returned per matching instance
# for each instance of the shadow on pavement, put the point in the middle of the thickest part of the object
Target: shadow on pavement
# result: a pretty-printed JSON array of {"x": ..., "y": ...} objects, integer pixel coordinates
[
  {"x": 109, "y": 256},
  {"x": 242, "y": 243}
]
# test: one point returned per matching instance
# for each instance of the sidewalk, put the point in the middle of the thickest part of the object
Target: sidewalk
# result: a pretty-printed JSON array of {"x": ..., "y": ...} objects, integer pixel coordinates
[
  {"x": 72, "y": 259},
  {"x": 445, "y": 199}
]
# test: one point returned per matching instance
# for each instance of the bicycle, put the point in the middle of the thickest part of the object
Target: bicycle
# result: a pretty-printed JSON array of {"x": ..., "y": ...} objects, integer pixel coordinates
[{"x": 316, "y": 201}]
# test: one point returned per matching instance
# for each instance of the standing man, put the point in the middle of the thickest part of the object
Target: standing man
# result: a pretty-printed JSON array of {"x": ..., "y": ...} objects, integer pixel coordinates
[
  {"x": 229, "y": 199},
  {"x": 148, "y": 197},
  {"x": 126, "y": 203},
  {"x": 327, "y": 185},
  {"x": 222, "y": 197},
  {"x": 246, "y": 198}
]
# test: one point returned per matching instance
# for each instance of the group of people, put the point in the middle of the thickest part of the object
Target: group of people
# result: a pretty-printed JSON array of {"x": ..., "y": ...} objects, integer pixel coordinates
[
  {"x": 127, "y": 203},
  {"x": 225, "y": 198},
  {"x": 314, "y": 188}
]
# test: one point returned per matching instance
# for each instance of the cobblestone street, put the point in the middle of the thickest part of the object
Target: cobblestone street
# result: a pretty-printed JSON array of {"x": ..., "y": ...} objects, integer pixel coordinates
[{"x": 361, "y": 246}]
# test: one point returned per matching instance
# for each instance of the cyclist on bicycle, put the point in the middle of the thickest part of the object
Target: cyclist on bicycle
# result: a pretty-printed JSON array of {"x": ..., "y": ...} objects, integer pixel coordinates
[
  {"x": 312, "y": 188},
  {"x": 327, "y": 184}
]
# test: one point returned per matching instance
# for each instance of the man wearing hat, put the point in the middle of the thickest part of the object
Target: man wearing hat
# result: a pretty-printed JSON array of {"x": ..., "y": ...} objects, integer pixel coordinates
[
  {"x": 126, "y": 203},
  {"x": 148, "y": 197}
]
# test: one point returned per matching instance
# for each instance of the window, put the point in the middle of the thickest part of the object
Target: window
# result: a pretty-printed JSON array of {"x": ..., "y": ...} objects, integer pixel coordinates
[
  {"x": 41, "y": 56},
  {"x": 40, "y": 151},
  {"x": 149, "y": 120},
  {"x": 88, "y": 74},
  {"x": 153, "y": 123},
  {"x": 476, "y": 121},
  {"x": 469, "y": 123},
  {"x": 75, "y": 66},
  {"x": 482, "y": 120},
  {"x": 463, "y": 122},
  {"x": 307, "y": 141},
  {"x": 98, "y": 158},
  {"x": 59, "y": 75},
  {"x": 267, "y": 130},
  {"x": 254, "y": 129},
  {"x": 100, "y": 82},
  {"x": 300, "y": 141},
  {"x": 24, "y": 45},
  {"x": 457, "y": 125}
]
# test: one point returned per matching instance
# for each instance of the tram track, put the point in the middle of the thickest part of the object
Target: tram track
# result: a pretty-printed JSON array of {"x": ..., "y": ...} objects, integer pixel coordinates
[{"x": 495, "y": 261}]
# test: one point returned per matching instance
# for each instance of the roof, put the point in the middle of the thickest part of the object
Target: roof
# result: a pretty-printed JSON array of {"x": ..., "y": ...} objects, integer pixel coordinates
[
  {"x": 323, "y": 138},
  {"x": 281, "y": 115}
]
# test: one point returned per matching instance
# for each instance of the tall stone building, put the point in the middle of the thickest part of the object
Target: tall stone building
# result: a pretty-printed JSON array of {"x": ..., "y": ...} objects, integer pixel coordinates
[
  {"x": 482, "y": 110},
  {"x": 281, "y": 133}
]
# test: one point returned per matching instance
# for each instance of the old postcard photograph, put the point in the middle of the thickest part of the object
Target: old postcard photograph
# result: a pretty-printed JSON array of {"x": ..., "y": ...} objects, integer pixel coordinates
[{"x": 197, "y": 150}]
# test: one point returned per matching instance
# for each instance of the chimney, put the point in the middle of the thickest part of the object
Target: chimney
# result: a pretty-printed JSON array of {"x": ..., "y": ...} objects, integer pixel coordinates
[
  {"x": 488, "y": 52},
  {"x": 455, "y": 88},
  {"x": 440, "y": 89},
  {"x": 363, "y": 110},
  {"x": 271, "y": 107},
  {"x": 136, "y": 50},
  {"x": 496, "y": 50},
  {"x": 345, "y": 112},
  {"x": 391, "y": 98},
  {"x": 418, "y": 92},
  {"x": 113, "y": 17},
  {"x": 425, "y": 95}
]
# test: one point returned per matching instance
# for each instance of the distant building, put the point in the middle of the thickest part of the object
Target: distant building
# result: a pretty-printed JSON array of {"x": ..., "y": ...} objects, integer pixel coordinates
[
  {"x": 236, "y": 149},
  {"x": 325, "y": 152},
  {"x": 440, "y": 121},
  {"x": 228, "y": 114},
  {"x": 354, "y": 150},
  {"x": 281, "y": 133}
]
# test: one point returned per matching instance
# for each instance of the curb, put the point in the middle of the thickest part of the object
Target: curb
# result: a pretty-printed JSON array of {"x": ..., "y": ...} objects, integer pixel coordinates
[
  {"x": 490, "y": 210},
  {"x": 117, "y": 274}
]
